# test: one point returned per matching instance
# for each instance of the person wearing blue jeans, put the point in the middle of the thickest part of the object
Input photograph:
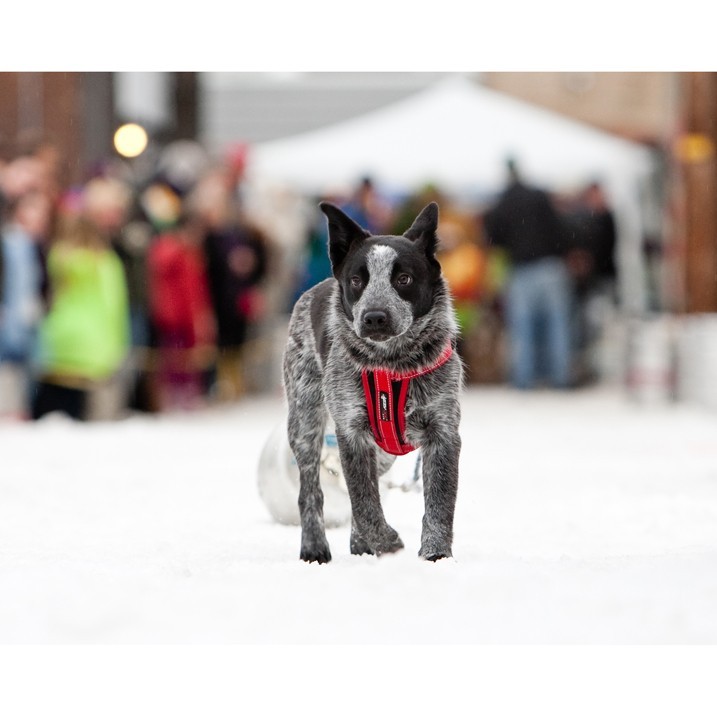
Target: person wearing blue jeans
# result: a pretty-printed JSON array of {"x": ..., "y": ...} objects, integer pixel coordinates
[
  {"x": 538, "y": 298},
  {"x": 538, "y": 311}
]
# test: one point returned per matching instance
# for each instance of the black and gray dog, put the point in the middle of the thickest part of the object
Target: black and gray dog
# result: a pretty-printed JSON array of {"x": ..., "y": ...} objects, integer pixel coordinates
[{"x": 374, "y": 348}]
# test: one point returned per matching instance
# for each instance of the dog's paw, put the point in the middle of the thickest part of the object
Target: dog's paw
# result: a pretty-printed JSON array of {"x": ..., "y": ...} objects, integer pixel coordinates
[
  {"x": 359, "y": 546},
  {"x": 435, "y": 545},
  {"x": 435, "y": 550},
  {"x": 434, "y": 556},
  {"x": 315, "y": 553},
  {"x": 390, "y": 543}
]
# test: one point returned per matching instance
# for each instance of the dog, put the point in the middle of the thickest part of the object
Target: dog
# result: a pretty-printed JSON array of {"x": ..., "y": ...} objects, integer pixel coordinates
[{"x": 374, "y": 348}]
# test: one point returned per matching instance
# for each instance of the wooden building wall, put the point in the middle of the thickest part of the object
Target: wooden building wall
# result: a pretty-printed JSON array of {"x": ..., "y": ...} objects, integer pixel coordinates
[
  {"x": 696, "y": 155},
  {"x": 71, "y": 110}
]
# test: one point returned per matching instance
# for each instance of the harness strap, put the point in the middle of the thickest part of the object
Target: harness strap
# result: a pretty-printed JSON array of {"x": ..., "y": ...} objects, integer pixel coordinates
[{"x": 385, "y": 393}]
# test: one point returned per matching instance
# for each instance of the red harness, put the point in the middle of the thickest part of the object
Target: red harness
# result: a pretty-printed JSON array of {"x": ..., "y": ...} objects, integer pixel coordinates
[{"x": 385, "y": 393}]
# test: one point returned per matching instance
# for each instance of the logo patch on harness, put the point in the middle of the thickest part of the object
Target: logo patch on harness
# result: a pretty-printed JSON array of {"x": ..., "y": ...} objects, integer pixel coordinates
[{"x": 383, "y": 406}]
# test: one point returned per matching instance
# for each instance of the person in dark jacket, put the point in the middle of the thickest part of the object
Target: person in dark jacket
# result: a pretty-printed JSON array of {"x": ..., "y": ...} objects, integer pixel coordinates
[
  {"x": 237, "y": 257},
  {"x": 591, "y": 259},
  {"x": 538, "y": 294},
  {"x": 593, "y": 240}
]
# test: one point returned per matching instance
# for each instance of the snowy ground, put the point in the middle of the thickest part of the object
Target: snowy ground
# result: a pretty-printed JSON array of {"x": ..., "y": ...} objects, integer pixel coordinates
[{"x": 581, "y": 518}]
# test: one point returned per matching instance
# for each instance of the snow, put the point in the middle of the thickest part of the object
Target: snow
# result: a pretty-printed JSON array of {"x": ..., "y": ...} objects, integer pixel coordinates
[{"x": 582, "y": 518}]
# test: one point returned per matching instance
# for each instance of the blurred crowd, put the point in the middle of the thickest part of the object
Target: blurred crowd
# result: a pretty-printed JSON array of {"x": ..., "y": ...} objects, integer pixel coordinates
[
  {"x": 125, "y": 294},
  {"x": 532, "y": 274},
  {"x": 121, "y": 295}
]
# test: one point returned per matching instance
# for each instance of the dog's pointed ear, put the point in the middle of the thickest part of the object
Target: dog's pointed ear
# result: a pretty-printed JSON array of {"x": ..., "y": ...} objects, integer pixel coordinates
[
  {"x": 343, "y": 232},
  {"x": 423, "y": 230}
]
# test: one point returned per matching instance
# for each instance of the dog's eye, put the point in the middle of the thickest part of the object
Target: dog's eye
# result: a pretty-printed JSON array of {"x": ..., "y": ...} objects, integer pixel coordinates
[
  {"x": 356, "y": 282},
  {"x": 404, "y": 279}
]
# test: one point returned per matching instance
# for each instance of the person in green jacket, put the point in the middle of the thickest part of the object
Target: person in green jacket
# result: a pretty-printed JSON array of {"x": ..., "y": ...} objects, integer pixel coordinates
[{"x": 85, "y": 336}]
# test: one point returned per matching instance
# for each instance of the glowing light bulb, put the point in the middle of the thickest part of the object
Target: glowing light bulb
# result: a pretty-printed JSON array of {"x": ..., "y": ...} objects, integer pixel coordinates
[{"x": 130, "y": 140}]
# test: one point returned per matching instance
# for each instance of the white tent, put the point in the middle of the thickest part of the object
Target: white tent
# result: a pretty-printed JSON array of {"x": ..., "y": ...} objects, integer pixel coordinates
[{"x": 457, "y": 135}]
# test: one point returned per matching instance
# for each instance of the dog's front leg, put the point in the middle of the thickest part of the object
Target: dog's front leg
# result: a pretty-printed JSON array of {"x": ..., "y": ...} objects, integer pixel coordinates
[
  {"x": 306, "y": 437},
  {"x": 370, "y": 533},
  {"x": 441, "y": 450}
]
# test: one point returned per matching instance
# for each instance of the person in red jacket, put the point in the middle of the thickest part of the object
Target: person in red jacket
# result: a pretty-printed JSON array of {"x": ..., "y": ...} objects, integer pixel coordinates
[{"x": 181, "y": 314}]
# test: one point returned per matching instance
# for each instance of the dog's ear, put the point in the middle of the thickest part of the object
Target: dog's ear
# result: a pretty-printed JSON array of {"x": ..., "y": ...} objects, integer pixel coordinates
[
  {"x": 343, "y": 232},
  {"x": 423, "y": 229}
]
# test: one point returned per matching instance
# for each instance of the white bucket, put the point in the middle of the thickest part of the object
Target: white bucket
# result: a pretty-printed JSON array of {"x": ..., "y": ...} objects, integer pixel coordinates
[
  {"x": 689, "y": 365},
  {"x": 651, "y": 365},
  {"x": 697, "y": 360}
]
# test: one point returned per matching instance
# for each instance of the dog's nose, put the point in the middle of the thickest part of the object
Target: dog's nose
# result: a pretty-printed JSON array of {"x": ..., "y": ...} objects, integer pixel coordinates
[{"x": 375, "y": 319}]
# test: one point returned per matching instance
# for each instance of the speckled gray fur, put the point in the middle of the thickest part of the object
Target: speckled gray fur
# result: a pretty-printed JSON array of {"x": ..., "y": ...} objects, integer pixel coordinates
[{"x": 331, "y": 341}]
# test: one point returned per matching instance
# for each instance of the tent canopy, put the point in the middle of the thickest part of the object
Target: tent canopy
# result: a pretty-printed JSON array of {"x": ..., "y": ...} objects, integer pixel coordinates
[{"x": 457, "y": 135}]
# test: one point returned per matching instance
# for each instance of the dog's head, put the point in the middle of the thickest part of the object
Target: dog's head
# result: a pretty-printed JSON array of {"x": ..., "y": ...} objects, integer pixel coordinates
[{"x": 387, "y": 282}]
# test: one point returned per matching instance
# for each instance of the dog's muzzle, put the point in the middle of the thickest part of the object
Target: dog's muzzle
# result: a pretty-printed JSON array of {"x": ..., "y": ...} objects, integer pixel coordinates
[{"x": 376, "y": 325}]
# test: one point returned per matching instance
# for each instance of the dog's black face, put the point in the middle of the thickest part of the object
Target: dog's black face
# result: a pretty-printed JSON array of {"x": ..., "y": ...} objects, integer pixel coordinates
[{"x": 387, "y": 282}]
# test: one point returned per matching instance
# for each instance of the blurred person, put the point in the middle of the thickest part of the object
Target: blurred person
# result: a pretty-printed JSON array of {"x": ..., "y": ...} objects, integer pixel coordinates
[
  {"x": 591, "y": 261},
  {"x": 594, "y": 240},
  {"x": 48, "y": 158},
  {"x": 108, "y": 203},
  {"x": 181, "y": 314},
  {"x": 20, "y": 176},
  {"x": 286, "y": 220},
  {"x": 236, "y": 255},
  {"x": 413, "y": 204},
  {"x": 181, "y": 163},
  {"x": 367, "y": 208},
  {"x": 538, "y": 295},
  {"x": 84, "y": 337},
  {"x": 26, "y": 226},
  {"x": 463, "y": 264},
  {"x": 314, "y": 265}
]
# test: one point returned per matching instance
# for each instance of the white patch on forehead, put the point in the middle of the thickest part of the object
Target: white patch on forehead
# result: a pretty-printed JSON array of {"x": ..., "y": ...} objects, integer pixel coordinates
[
  {"x": 380, "y": 294},
  {"x": 380, "y": 260}
]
